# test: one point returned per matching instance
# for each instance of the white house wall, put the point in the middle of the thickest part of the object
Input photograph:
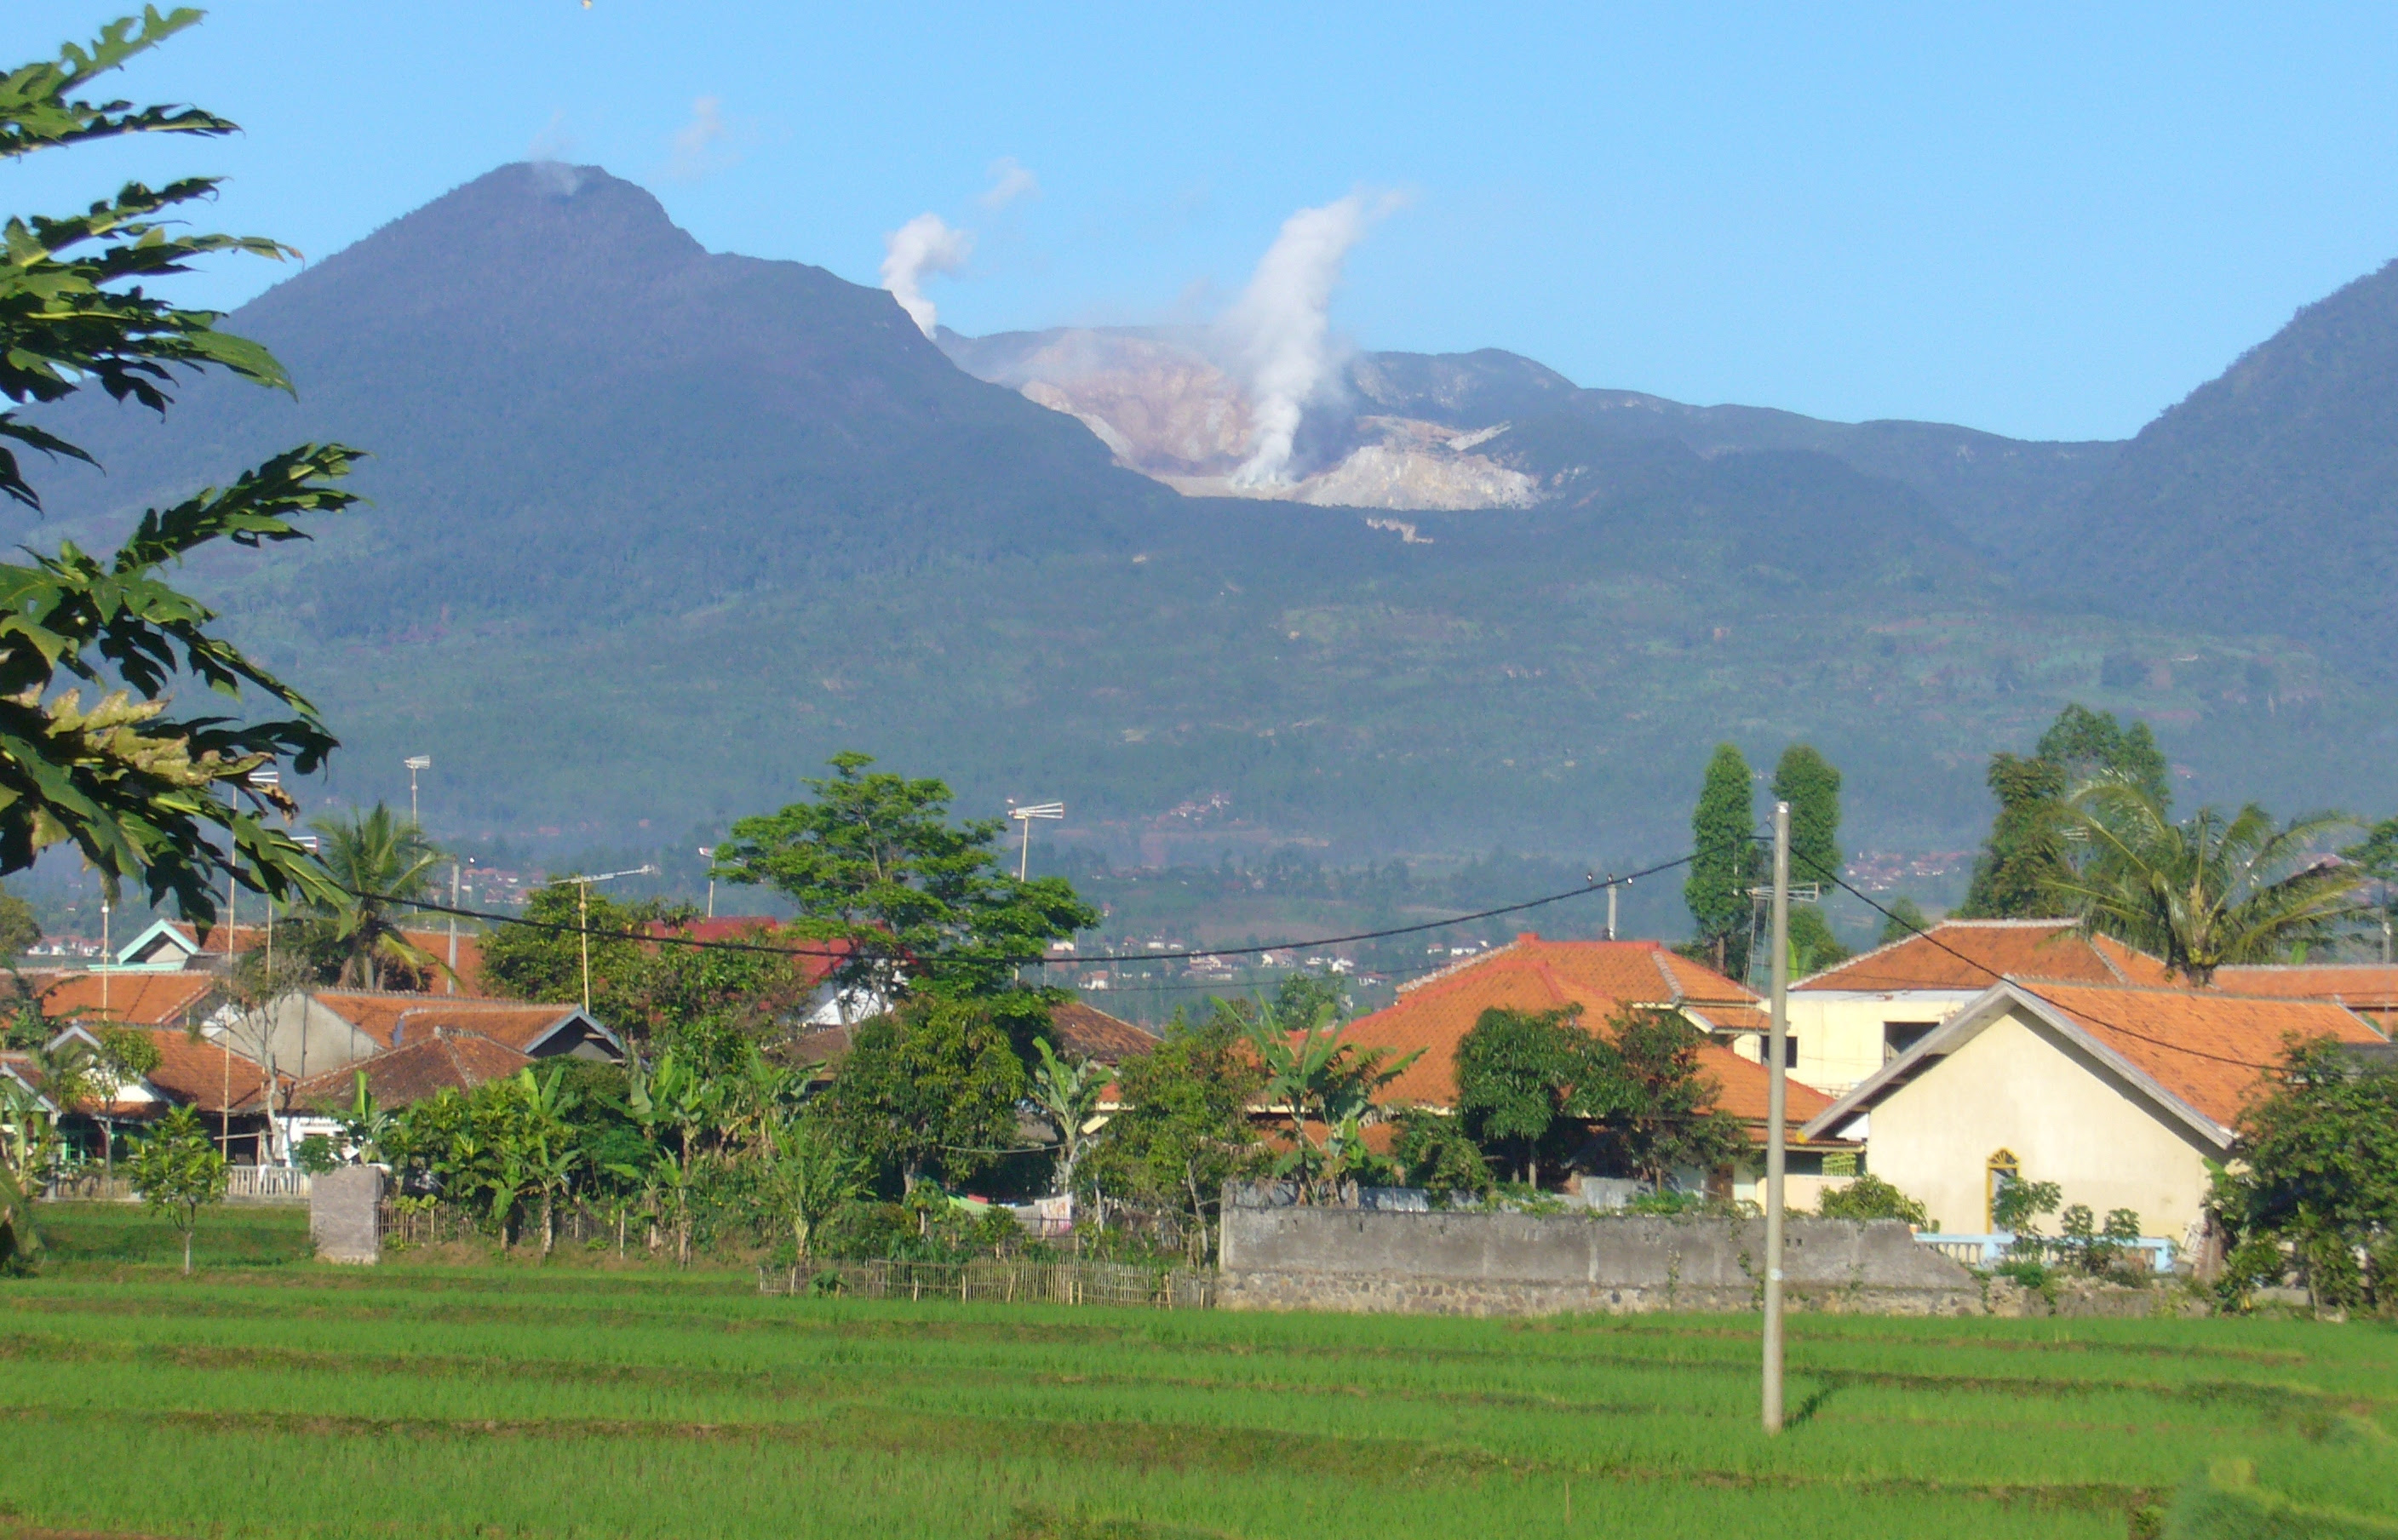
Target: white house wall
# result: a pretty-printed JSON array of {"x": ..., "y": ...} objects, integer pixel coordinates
[{"x": 2066, "y": 1118}]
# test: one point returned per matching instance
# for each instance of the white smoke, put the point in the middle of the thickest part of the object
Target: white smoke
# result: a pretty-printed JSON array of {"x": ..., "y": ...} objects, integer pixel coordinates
[
  {"x": 692, "y": 149},
  {"x": 1009, "y": 182},
  {"x": 1279, "y": 332},
  {"x": 923, "y": 247}
]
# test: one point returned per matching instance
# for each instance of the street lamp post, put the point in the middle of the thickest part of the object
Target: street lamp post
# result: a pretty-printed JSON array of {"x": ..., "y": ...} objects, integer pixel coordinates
[
  {"x": 583, "y": 916},
  {"x": 707, "y": 854},
  {"x": 1025, "y": 816},
  {"x": 415, "y": 762}
]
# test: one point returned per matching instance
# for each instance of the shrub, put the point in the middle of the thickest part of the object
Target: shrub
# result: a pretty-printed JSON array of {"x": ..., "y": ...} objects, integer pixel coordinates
[
  {"x": 315, "y": 1155},
  {"x": 1871, "y": 1198}
]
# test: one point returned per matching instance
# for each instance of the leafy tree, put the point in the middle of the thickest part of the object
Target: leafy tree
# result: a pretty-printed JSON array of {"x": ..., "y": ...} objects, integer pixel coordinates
[
  {"x": 19, "y": 929},
  {"x": 384, "y": 865},
  {"x": 2375, "y": 859},
  {"x": 2317, "y": 1171},
  {"x": 1523, "y": 1076},
  {"x": 2085, "y": 744},
  {"x": 543, "y": 960},
  {"x": 1313, "y": 1077},
  {"x": 873, "y": 862},
  {"x": 142, "y": 792},
  {"x": 180, "y": 1170},
  {"x": 930, "y": 1088},
  {"x": 1435, "y": 1152},
  {"x": 2023, "y": 860},
  {"x": 2016, "y": 1209},
  {"x": 1906, "y": 918},
  {"x": 1723, "y": 861},
  {"x": 1871, "y": 1198},
  {"x": 2028, "y": 851},
  {"x": 1664, "y": 1118},
  {"x": 2209, "y": 891},
  {"x": 1068, "y": 1095},
  {"x": 1185, "y": 1129}
]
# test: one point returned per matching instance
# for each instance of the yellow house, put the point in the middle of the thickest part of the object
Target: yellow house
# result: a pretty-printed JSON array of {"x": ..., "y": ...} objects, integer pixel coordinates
[
  {"x": 1850, "y": 1019},
  {"x": 2119, "y": 1094}
]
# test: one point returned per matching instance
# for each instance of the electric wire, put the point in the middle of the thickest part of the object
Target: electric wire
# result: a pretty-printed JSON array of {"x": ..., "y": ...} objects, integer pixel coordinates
[
  {"x": 1997, "y": 977},
  {"x": 668, "y": 938}
]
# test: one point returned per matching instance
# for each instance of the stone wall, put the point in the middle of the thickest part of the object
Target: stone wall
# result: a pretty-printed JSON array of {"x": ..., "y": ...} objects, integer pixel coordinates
[{"x": 1509, "y": 1264}]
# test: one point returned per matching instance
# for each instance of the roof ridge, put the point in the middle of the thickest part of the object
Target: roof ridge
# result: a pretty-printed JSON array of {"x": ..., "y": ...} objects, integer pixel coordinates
[{"x": 1451, "y": 969}]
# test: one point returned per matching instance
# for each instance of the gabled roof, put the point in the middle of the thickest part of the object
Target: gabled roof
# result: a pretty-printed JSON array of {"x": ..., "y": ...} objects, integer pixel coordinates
[
  {"x": 2196, "y": 1056},
  {"x": 132, "y": 998},
  {"x": 205, "y": 1074},
  {"x": 394, "y": 1021},
  {"x": 400, "y": 1076},
  {"x": 1086, "y": 1032},
  {"x": 1970, "y": 955},
  {"x": 815, "y": 957},
  {"x": 1602, "y": 977},
  {"x": 19, "y": 1067}
]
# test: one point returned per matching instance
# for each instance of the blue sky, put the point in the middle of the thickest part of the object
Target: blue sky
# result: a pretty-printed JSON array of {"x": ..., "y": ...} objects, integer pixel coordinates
[{"x": 2043, "y": 222}]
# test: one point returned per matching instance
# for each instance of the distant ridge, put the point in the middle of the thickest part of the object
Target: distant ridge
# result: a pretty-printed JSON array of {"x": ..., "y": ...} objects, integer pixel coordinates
[{"x": 2267, "y": 501}]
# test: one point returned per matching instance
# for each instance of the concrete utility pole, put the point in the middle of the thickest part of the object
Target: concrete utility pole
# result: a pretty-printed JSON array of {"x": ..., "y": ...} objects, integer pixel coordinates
[
  {"x": 451, "y": 984},
  {"x": 1611, "y": 911},
  {"x": 1775, "y": 1093}
]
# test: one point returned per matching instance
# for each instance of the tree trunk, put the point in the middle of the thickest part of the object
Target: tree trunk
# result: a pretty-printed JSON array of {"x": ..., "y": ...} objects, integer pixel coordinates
[
  {"x": 549, "y": 1225},
  {"x": 187, "y": 1253}
]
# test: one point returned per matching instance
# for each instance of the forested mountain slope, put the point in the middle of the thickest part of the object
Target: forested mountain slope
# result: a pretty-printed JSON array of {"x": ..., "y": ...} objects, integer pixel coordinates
[
  {"x": 2268, "y": 500},
  {"x": 656, "y": 530}
]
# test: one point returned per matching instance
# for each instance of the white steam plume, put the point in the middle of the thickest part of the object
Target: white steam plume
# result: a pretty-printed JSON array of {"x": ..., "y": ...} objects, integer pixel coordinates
[
  {"x": 1280, "y": 330},
  {"x": 1009, "y": 182},
  {"x": 923, "y": 247},
  {"x": 693, "y": 152}
]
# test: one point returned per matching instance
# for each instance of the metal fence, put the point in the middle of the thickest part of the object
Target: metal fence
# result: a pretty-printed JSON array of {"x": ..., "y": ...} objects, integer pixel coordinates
[{"x": 1000, "y": 1281}]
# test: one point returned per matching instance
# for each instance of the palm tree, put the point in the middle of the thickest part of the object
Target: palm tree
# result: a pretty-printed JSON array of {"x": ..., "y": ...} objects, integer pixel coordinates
[
  {"x": 386, "y": 865},
  {"x": 2210, "y": 891}
]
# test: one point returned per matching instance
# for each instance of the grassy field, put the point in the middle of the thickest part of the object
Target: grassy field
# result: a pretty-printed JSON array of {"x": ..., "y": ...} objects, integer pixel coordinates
[{"x": 269, "y": 1396}]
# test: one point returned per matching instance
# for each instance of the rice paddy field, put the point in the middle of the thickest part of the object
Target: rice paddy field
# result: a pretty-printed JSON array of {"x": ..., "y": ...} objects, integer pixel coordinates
[{"x": 268, "y": 1395}]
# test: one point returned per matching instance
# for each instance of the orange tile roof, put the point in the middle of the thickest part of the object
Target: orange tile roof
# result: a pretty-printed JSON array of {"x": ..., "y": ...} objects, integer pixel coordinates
[
  {"x": 203, "y": 1073},
  {"x": 2211, "y": 1050},
  {"x": 413, "y": 1072},
  {"x": 396, "y": 1020},
  {"x": 2368, "y": 987},
  {"x": 130, "y": 999},
  {"x": 1974, "y": 954},
  {"x": 1087, "y": 1032},
  {"x": 815, "y": 957},
  {"x": 1434, "y": 1014},
  {"x": 470, "y": 962}
]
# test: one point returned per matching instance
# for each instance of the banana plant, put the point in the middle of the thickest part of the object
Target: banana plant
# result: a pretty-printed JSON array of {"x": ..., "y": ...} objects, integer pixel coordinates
[
  {"x": 1068, "y": 1095},
  {"x": 1313, "y": 1077}
]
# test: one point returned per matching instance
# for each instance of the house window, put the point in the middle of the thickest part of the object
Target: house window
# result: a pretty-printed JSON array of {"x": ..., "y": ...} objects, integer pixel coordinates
[
  {"x": 1791, "y": 1051},
  {"x": 1802, "y": 1163},
  {"x": 1898, "y": 1036},
  {"x": 2005, "y": 1171}
]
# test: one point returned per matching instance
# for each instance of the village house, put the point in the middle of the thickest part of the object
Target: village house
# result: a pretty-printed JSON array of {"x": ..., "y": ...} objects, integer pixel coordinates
[
  {"x": 2119, "y": 1094},
  {"x": 1850, "y": 1019},
  {"x": 196, "y": 1069},
  {"x": 446, "y": 1058},
  {"x": 1600, "y": 978}
]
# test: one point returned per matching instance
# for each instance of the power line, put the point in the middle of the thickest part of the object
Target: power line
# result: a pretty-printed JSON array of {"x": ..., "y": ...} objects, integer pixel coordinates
[
  {"x": 1594, "y": 885},
  {"x": 1998, "y": 977}
]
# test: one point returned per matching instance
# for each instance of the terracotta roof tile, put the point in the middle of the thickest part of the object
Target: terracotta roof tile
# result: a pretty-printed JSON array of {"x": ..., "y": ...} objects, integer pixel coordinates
[
  {"x": 1087, "y": 1032},
  {"x": 1601, "y": 977},
  {"x": 132, "y": 998},
  {"x": 2367, "y": 986},
  {"x": 2212, "y": 1050},
  {"x": 396, "y": 1020},
  {"x": 1973, "y": 954},
  {"x": 403, "y": 1076}
]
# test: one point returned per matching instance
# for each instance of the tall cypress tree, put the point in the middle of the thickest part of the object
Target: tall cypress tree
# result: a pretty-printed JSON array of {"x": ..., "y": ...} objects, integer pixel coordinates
[
  {"x": 1721, "y": 860},
  {"x": 1807, "y": 781}
]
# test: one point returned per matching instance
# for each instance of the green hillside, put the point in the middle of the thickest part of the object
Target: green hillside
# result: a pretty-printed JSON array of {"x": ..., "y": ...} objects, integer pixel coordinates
[{"x": 656, "y": 530}]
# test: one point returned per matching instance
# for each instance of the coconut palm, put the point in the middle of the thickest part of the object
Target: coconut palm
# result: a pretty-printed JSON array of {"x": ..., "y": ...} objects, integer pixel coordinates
[
  {"x": 2208, "y": 892},
  {"x": 386, "y": 864}
]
